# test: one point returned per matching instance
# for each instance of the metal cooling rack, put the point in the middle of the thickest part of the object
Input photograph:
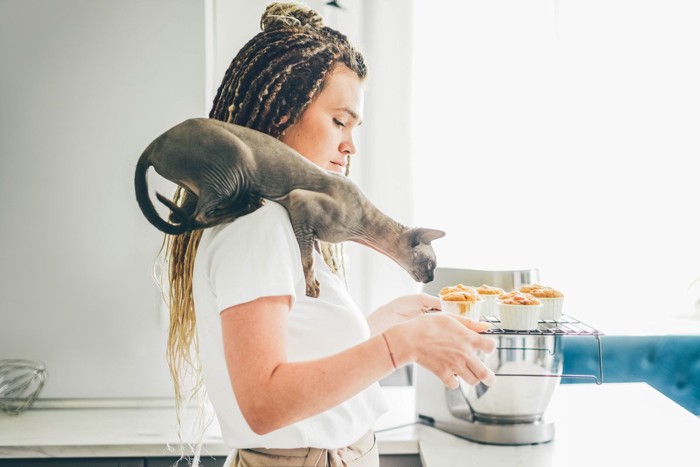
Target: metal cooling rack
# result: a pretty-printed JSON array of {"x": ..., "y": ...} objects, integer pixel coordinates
[{"x": 564, "y": 326}]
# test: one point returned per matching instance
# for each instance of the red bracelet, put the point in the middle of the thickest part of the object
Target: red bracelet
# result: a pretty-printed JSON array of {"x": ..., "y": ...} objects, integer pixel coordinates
[{"x": 391, "y": 354}]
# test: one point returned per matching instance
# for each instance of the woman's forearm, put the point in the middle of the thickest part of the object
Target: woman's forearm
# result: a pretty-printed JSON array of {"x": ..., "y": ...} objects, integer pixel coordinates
[{"x": 298, "y": 390}]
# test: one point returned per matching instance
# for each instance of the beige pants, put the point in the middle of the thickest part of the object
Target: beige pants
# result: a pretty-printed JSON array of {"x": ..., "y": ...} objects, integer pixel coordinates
[{"x": 362, "y": 453}]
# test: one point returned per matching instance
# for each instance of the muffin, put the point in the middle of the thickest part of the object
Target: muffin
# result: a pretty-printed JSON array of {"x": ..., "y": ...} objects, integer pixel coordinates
[
  {"x": 455, "y": 288},
  {"x": 490, "y": 297},
  {"x": 506, "y": 296},
  {"x": 528, "y": 288},
  {"x": 465, "y": 303},
  {"x": 519, "y": 311},
  {"x": 552, "y": 302}
]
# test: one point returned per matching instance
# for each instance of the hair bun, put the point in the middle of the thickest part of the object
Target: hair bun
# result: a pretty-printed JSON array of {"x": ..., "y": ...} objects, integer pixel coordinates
[{"x": 289, "y": 15}]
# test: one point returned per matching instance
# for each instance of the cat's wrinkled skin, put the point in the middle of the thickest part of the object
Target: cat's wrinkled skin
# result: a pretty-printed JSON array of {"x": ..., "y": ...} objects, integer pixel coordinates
[{"x": 228, "y": 170}]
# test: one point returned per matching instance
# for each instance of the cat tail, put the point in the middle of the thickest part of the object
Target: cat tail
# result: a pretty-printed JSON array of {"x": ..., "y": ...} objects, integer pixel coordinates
[{"x": 146, "y": 205}]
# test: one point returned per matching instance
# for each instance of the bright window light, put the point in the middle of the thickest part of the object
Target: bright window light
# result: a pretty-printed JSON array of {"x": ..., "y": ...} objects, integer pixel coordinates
[{"x": 565, "y": 136}]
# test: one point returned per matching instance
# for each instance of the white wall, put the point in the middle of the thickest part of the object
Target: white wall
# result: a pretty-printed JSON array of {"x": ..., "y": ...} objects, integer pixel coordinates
[
  {"x": 85, "y": 86},
  {"x": 383, "y": 167},
  {"x": 568, "y": 142}
]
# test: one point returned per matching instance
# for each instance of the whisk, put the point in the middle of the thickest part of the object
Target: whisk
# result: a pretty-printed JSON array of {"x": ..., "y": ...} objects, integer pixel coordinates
[{"x": 20, "y": 384}]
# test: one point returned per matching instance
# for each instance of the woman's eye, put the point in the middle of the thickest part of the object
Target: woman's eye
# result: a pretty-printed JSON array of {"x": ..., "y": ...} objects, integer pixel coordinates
[{"x": 338, "y": 122}]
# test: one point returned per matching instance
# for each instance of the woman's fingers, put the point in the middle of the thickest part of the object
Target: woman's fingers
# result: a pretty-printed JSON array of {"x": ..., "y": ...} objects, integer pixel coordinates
[
  {"x": 486, "y": 344},
  {"x": 481, "y": 342},
  {"x": 429, "y": 303},
  {"x": 478, "y": 326},
  {"x": 450, "y": 346},
  {"x": 449, "y": 379},
  {"x": 480, "y": 371},
  {"x": 468, "y": 376},
  {"x": 472, "y": 371}
]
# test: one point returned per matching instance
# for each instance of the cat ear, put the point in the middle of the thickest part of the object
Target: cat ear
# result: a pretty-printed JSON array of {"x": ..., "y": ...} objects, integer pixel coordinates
[{"x": 425, "y": 236}]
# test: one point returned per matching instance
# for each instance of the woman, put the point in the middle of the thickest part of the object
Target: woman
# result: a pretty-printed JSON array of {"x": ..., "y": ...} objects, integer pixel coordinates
[{"x": 293, "y": 379}]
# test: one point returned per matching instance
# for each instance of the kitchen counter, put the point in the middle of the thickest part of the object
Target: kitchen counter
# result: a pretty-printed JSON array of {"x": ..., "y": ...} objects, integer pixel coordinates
[{"x": 611, "y": 424}]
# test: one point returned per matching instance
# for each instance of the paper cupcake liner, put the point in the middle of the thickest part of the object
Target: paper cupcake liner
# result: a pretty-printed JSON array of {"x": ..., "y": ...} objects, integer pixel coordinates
[
  {"x": 519, "y": 317},
  {"x": 551, "y": 308},
  {"x": 471, "y": 310},
  {"x": 489, "y": 307}
]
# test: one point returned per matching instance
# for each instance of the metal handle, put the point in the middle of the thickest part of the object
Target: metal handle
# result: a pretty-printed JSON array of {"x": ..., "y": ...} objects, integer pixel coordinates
[{"x": 598, "y": 379}]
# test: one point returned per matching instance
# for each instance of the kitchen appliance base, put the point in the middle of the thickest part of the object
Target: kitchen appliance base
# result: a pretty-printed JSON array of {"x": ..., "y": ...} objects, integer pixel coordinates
[{"x": 517, "y": 434}]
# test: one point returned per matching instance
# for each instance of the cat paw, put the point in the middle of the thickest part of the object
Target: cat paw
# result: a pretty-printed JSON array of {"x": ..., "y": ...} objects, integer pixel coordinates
[{"x": 313, "y": 288}]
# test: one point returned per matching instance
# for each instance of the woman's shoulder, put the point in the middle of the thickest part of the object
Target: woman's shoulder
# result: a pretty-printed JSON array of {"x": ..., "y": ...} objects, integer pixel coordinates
[
  {"x": 257, "y": 248},
  {"x": 269, "y": 219},
  {"x": 269, "y": 213}
]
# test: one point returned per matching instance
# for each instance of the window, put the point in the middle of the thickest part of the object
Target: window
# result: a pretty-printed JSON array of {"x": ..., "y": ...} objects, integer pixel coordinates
[{"x": 565, "y": 136}]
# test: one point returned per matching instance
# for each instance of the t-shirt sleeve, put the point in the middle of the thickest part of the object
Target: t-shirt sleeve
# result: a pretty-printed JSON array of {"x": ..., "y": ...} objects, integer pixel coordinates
[{"x": 254, "y": 257}]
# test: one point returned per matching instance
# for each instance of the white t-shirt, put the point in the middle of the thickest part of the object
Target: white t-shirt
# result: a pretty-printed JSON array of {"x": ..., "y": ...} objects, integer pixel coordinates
[{"x": 257, "y": 256}]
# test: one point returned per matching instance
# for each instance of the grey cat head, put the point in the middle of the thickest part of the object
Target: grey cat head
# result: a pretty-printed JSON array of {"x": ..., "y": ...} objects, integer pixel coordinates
[{"x": 421, "y": 263}]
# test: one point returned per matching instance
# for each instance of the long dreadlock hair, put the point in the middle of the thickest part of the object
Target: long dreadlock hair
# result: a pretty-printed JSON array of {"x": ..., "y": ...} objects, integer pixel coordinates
[{"x": 267, "y": 87}]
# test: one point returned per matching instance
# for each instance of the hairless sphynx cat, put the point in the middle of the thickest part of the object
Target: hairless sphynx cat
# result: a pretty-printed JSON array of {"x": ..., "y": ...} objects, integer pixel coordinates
[{"x": 228, "y": 170}]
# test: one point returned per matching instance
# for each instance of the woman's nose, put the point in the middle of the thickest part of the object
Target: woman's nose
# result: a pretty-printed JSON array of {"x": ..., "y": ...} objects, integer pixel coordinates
[{"x": 348, "y": 146}]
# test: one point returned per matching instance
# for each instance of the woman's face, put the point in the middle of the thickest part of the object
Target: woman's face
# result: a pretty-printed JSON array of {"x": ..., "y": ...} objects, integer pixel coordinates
[{"x": 323, "y": 133}]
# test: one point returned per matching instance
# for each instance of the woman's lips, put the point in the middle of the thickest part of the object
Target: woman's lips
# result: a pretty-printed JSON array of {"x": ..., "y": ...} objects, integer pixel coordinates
[{"x": 337, "y": 166}]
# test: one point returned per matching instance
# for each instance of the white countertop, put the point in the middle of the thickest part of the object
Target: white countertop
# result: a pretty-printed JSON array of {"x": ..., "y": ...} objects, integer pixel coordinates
[
  {"x": 623, "y": 424},
  {"x": 611, "y": 424}
]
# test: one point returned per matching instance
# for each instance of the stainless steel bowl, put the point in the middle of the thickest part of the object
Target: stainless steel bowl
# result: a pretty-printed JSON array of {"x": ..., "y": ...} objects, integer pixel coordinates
[{"x": 528, "y": 369}]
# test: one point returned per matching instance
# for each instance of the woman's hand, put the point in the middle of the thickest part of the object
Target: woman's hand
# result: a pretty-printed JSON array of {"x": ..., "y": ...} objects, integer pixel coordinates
[
  {"x": 400, "y": 310},
  {"x": 446, "y": 345}
]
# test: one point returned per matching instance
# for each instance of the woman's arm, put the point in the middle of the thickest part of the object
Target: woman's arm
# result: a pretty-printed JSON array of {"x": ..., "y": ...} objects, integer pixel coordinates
[{"x": 273, "y": 392}]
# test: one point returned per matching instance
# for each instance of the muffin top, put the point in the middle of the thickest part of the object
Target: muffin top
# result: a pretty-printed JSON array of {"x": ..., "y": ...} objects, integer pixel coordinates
[
  {"x": 457, "y": 288},
  {"x": 546, "y": 292},
  {"x": 460, "y": 296},
  {"x": 519, "y": 298},
  {"x": 528, "y": 288},
  {"x": 489, "y": 290}
]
